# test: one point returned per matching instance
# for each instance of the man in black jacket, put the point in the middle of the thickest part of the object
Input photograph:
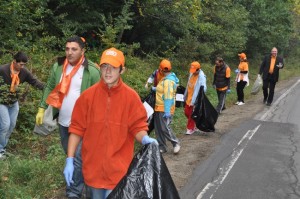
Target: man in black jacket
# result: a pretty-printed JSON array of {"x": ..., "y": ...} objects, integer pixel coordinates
[
  {"x": 11, "y": 75},
  {"x": 221, "y": 82},
  {"x": 269, "y": 69}
]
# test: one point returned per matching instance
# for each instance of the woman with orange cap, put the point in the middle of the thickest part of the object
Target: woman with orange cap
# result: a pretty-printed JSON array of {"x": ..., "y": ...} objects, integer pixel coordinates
[
  {"x": 196, "y": 79},
  {"x": 241, "y": 78},
  {"x": 165, "y": 108}
]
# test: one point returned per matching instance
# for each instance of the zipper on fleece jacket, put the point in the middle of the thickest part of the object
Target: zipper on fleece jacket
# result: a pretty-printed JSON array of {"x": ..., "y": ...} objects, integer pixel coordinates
[{"x": 107, "y": 111}]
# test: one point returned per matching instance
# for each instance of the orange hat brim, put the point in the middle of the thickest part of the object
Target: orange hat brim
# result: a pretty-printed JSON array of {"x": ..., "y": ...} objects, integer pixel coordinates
[{"x": 112, "y": 61}]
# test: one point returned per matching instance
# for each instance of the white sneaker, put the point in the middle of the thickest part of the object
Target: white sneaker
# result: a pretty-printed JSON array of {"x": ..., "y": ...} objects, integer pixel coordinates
[
  {"x": 190, "y": 131},
  {"x": 241, "y": 103},
  {"x": 237, "y": 103},
  {"x": 176, "y": 148}
]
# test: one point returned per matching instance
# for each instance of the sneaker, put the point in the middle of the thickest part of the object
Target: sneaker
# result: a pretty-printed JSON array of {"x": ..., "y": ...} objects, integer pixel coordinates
[
  {"x": 241, "y": 103},
  {"x": 268, "y": 104},
  {"x": 176, "y": 148},
  {"x": 190, "y": 131},
  {"x": 237, "y": 103},
  {"x": 196, "y": 129}
]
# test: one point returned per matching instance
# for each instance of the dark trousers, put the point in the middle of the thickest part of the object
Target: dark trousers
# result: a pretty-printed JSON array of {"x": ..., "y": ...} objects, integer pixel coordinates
[
  {"x": 240, "y": 90},
  {"x": 268, "y": 89},
  {"x": 221, "y": 99}
]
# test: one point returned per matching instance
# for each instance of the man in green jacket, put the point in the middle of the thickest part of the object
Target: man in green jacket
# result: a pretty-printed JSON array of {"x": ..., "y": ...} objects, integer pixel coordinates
[{"x": 69, "y": 77}]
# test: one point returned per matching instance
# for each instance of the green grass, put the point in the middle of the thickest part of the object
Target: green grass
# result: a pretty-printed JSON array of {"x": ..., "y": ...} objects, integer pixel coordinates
[{"x": 34, "y": 169}]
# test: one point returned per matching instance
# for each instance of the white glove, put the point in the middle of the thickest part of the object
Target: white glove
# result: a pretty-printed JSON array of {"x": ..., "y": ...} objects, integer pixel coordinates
[{"x": 280, "y": 65}]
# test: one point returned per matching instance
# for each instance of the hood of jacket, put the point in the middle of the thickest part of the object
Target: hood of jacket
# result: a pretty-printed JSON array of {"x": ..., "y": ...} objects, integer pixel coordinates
[{"x": 172, "y": 77}]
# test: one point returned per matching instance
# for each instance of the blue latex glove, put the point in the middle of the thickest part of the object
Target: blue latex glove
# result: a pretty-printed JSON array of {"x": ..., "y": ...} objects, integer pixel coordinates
[
  {"x": 153, "y": 88},
  {"x": 147, "y": 140},
  {"x": 237, "y": 71},
  {"x": 167, "y": 115},
  {"x": 69, "y": 170},
  {"x": 228, "y": 91}
]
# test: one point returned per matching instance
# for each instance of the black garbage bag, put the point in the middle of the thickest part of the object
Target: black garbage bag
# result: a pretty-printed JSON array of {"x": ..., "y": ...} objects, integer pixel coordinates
[
  {"x": 204, "y": 114},
  {"x": 147, "y": 178},
  {"x": 150, "y": 124},
  {"x": 179, "y": 96},
  {"x": 150, "y": 99}
]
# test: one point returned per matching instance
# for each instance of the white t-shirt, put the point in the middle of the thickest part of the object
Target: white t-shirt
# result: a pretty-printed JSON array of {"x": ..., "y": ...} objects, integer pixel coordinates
[{"x": 68, "y": 103}]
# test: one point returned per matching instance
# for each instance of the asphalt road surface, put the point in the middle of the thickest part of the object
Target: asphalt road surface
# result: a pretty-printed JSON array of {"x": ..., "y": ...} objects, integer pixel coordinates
[{"x": 260, "y": 159}]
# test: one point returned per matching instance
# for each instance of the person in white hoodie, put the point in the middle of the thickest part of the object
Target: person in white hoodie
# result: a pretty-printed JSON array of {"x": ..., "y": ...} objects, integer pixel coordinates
[
  {"x": 241, "y": 78},
  {"x": 196, "y": 79}
]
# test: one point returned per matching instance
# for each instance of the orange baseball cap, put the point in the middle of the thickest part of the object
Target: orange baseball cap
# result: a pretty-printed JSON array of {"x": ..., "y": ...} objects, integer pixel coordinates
[
  {"x": 194, "y": 66},
  {"x": 113, "y": 57},
  {"x": 165, "y": 65},
  {"x": 242, "y": 55}
]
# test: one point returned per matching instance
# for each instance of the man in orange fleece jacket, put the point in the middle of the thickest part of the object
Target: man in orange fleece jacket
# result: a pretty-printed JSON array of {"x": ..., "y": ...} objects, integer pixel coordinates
[{"x": 108, "y": 117}]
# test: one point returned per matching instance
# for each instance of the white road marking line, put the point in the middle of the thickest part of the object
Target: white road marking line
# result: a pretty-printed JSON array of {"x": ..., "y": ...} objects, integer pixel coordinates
[
  {"x": 267, "y": 113},
  {"x": 224, "y": 171}
]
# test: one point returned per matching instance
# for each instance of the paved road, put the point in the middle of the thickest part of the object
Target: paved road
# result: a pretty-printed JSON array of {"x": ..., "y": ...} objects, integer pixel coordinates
[{"x": 260, "y": 159}]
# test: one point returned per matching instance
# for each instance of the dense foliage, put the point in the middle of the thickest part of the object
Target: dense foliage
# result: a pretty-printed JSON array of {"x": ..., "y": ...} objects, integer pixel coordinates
[{"x": 193, "y": 29}]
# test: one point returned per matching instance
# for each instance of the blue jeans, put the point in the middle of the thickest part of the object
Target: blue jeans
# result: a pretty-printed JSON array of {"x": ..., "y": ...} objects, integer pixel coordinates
[
  {"x": 99, "y": 193},
  {"x": 76, "y": 188},
  {"x": 8, "y": 120}
]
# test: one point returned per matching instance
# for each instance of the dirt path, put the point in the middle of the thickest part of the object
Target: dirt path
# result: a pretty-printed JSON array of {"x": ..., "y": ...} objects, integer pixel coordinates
[{"x": 197, "y": 147}]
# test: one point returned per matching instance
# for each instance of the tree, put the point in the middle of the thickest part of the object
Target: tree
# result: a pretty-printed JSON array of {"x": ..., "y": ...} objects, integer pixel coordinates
[
  {"x": 22, "y": 22},
  {"x": 270, "y": 25},
  {"x": 222, "y": 29}
]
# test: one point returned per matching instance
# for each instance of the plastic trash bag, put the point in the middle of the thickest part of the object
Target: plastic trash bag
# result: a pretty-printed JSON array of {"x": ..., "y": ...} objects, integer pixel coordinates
[
  {"x": 257, "y": 85},
  {"x": 204, "y": 114},
  {"x": 150, "y": 99},
  {"x": 179, "y": 96},
  {"x": 147, "y": 178},
  {"x": 49, "y": 125}
]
